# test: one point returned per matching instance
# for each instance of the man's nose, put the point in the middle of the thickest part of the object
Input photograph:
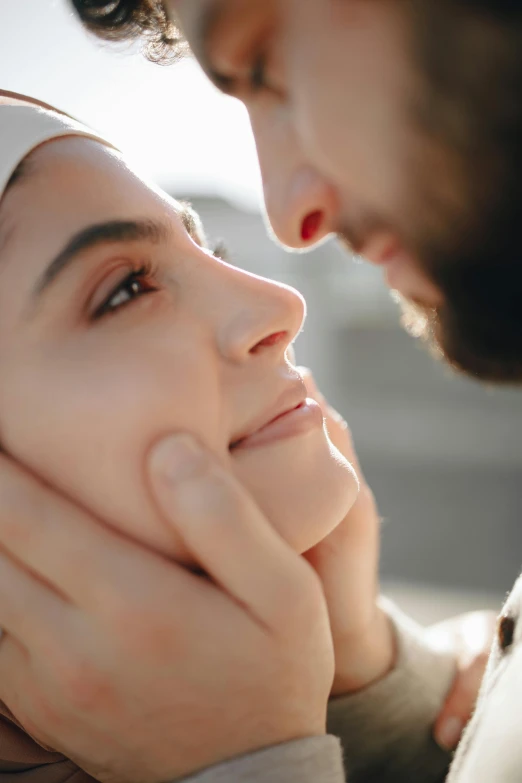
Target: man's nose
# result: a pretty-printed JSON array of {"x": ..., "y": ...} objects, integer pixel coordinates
[{"x": 301, "y": 207}]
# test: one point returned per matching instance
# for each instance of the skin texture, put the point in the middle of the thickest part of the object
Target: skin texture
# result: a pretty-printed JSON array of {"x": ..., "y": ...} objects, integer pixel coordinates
[{"x": 83, "y": 397}]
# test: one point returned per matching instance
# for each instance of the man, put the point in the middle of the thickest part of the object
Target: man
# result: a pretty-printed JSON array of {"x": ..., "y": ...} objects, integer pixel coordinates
[{"x": 396, "y": 125}]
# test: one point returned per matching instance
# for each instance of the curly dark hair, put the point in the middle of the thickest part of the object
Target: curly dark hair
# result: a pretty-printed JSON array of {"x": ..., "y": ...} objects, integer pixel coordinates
[{"x": 129, "y": 20}]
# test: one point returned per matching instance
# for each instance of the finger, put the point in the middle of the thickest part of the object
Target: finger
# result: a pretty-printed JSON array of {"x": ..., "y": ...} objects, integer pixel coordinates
[
  {"x": 460, "y": 703},
  {"x": 30, "y": 611},
  {"x": 347, "y": 563},
  {"x": 14, "y": 666},
  {"x": 223, "y": 528},
  {"x": 20, "y": 692},
  {"x": 466, "y": 635},
  {"x": 83, "y": 560}
]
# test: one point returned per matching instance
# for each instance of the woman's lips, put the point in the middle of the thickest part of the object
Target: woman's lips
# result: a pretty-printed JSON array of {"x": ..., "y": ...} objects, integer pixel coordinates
[{"x": 296, "y": 421}]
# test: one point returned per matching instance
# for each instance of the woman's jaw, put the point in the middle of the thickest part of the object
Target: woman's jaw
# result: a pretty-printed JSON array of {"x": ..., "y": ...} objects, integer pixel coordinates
[{"x": 303, "y": 485}]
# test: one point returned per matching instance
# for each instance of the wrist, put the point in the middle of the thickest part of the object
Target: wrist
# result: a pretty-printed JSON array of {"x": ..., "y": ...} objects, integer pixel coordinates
[{"x": 361, "y": 661}]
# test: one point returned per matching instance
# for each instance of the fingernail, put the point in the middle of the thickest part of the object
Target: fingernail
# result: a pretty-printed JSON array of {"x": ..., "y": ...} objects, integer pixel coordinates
[
  {"x": 176, "y": 458},
  {"x": 449, "y": 733}
]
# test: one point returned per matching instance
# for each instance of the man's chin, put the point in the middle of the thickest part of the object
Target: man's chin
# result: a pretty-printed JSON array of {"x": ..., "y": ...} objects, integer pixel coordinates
[
  {"x": 411, "y": 284},
  {"x": 476, "y": 348}
]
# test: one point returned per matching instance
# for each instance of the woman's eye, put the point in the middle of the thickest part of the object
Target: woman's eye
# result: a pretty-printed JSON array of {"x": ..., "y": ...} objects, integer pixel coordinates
[
  {"x": 134, "y": 286},
  {"x": 220, "y": 250}
]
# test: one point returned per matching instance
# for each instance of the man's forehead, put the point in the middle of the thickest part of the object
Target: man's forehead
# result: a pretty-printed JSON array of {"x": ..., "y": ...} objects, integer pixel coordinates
[
  {"x": 198, "y": 18},
  {"x": 195, "y": 16},
  {"x": 207, "y": 23}
]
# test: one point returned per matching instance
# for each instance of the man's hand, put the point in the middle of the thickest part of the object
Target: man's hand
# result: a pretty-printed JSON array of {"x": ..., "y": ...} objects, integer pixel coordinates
[
  {"x": 347, "y": 563},
  {"x": 470, "y": 637},
  {"x": 138, "y": 669}
]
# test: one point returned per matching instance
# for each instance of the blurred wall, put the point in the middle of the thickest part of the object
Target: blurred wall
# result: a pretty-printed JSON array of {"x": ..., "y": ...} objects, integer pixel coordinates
[{"x": 442, "y": 454}]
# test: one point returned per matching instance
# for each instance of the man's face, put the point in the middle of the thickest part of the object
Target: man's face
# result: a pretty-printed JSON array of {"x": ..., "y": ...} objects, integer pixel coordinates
[{"x": 360, "y": 133}]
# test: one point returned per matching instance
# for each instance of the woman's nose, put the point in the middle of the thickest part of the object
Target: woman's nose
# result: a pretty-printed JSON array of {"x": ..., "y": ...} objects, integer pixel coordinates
[
  {"x": 264, "y": 318},
  {"x": 301, "y": 208}
]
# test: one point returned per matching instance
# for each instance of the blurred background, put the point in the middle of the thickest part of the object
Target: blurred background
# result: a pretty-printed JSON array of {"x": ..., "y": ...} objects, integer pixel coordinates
[{"x": 443, "y": 455}]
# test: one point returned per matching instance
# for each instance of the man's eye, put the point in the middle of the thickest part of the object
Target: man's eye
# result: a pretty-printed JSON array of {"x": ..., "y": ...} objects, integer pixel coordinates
[
  {"x": 135, "y": 285},
  {"x": 257, "y": 77}
]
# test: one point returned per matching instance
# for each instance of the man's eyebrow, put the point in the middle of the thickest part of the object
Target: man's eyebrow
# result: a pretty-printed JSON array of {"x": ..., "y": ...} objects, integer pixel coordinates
[
  {"x": 211, "y": 17},
  {"x": 100, "y": 234}
]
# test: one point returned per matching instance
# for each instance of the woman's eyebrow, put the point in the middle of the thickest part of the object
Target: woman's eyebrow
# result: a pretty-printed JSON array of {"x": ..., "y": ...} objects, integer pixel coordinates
[{"x": 100, "y": 234}]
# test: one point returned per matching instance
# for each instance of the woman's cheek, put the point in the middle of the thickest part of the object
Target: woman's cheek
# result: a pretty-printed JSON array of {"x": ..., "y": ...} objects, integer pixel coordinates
[
  {"x": 110, "y": 479},
  {"x": 92, "y": 446}
]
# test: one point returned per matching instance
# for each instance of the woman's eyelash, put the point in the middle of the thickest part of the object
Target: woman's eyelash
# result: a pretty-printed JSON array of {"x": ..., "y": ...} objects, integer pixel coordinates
[
  {"x": 139, "y": 282},
  {"x": 136, "y": 284}
]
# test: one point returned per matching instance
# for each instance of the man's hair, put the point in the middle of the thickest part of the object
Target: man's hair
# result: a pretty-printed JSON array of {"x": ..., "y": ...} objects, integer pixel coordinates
[{"x": 128, "y": 20}]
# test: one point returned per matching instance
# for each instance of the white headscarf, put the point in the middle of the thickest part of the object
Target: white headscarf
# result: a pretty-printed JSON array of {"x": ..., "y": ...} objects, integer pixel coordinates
[{"x": 24, "y": 126}]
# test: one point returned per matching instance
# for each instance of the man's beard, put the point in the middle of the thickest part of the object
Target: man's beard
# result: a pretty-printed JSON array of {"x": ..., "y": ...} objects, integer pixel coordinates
[{"x": 478, "y": 328}]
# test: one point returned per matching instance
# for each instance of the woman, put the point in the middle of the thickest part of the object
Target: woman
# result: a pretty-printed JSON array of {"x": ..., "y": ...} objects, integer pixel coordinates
[{"x": 118, "y": 325}]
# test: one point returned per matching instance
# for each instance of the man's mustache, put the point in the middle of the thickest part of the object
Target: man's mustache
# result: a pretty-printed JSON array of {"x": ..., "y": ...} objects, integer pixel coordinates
[{"x": 355, "y": 234}]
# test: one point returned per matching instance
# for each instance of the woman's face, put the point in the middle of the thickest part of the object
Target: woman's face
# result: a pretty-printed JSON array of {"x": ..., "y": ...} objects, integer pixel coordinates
[{"x": 117, "y": 327}]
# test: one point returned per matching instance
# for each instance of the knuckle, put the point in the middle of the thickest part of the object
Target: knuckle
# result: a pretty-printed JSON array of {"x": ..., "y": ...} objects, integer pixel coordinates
[
  {"x": 43, "y": 718},
  {"x": 84, "y": 687}
]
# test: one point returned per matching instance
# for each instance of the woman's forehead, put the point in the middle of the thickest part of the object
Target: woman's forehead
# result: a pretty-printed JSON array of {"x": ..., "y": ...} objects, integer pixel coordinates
[
  {"x": 80, "y": 169},
  {"x": 78, "y": 152},
  {"x": 80, "y": 179}
]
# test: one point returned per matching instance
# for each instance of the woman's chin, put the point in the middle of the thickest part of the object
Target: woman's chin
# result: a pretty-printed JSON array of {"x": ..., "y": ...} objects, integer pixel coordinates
[{"x": 304, "y": 486}]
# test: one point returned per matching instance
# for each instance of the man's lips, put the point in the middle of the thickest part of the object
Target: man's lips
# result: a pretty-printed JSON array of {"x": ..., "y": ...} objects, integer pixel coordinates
[
  {"x": 401, "y": 272},
  {"x": 382, "y": 250},
  {"x": 291, "y": 418}
]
